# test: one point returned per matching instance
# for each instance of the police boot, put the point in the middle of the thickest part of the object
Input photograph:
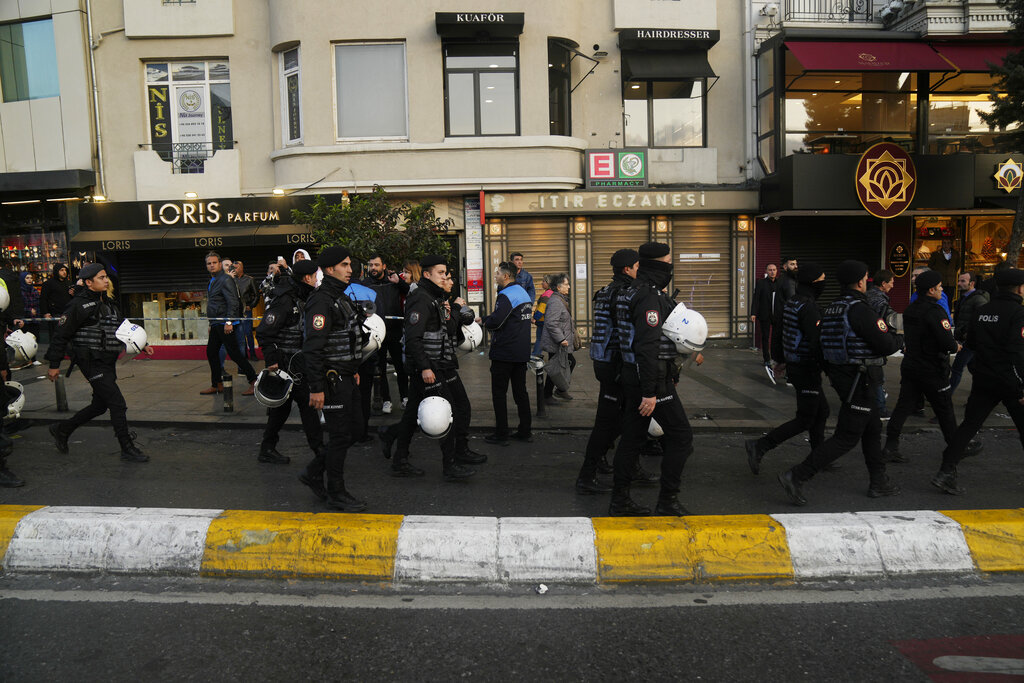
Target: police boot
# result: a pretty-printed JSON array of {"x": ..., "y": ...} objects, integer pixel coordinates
[
  {"x": 947, "y": 482},
  {"x": 603, "y": 466},
  {"x": 642, "y": 477},
  {"x": 973, "y": 447},
  {"x": 669, "y": 506},
  {"x": 754, "y": 454},
  {"x": 9, "y": 479},
  {"x": 340, "y": 499},
  {"x": 471, "y": 457},
  {"x": 130, "y": 452},
  {"x": 60, "y": 437},
  {"x": 268, "y": 453},
  {"x": 455, "y": 471},
  {"x": 590, "y": 486},
  {"x": 402, "y": 468},
  {"x": 386, "y": 441},
  {"x": 891, "y": 451},
  {"x": 882, "y": 486},
  {"x": 793, "y": 487},
  {"x": 624, "y": 506},
  {"x": 315, "y": 483}
]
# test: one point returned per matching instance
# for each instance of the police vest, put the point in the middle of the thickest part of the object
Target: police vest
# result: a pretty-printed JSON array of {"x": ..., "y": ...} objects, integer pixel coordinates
[
  {"x": 626, "y": 330},
  {"x": 437, "y": 344},
  {"x": 604, "y": 342},
  {"x": 795, "y": 344},
  {"x": 289, "y": 339},
  {"x": 99, "y": 332},
  {"x": 344, "y": 341},
  {"x": 839, "y": 344}
]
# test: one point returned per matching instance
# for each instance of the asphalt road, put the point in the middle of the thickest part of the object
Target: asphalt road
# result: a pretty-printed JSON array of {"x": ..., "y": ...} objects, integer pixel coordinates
[{"x": 217, "y": 468}]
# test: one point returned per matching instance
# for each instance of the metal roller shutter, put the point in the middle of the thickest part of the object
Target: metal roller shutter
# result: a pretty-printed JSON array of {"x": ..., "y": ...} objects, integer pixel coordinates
[
  {"x": 703, "y": 274},
  {"x": 811, "y": 244},
  {"x": 544, "y": 244},
  {"x": 610, "y": 235},
  {"x": 182, "y": 270}
]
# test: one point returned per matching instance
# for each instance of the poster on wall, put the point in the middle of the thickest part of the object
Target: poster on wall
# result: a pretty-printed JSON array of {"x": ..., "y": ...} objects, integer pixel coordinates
[
  {"x": 160, "y": 133},
  {"x": 190, "y": 112},
  {"x": 474, "y": 251}
]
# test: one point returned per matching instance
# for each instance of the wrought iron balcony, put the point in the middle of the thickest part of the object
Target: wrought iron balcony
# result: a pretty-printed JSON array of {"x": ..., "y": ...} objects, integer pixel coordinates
[
  {"x": 828, "y": 11},
  {"x": 185, "y": 157}
]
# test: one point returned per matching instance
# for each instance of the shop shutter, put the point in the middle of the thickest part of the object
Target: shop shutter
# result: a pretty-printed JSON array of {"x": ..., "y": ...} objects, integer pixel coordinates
[
  {"x": 828, "y": 248},
  {"x": 610, "y": 235},
  {"x": 182, "y": 270},
  {"x": 544, "y": 244},
  {"x": 703, "y": 272}
]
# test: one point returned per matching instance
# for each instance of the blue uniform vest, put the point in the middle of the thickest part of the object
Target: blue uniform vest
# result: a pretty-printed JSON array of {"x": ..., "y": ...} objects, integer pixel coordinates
[
  {"x": 604, "y": 342},
  {"x": 839, "y": 344},
  {"x": 796, "y": 346}
]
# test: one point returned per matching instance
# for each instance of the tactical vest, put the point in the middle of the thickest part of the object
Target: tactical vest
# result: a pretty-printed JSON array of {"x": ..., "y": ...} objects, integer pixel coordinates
[
  {"x": 624, "y": 304},
  {"x": 437, "y": 344},
  {"x": 345, "y": 340},
  {"x": 289, "y": 338},
  {"x": 796, "y": 346},
  {"x": 98, "y": 334},
  {"x": 604, "y": 342},
  {"x": 839, "y": 344}
]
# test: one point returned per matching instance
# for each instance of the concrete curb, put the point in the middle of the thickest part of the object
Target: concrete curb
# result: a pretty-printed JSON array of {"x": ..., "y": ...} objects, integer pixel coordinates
[{"x": 507, "y": 550}]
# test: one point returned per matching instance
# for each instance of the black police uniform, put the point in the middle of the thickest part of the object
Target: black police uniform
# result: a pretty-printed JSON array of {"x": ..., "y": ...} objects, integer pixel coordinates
[
  {"x": 89, "y": 325},
  {"x": 280, "y": 335},
  {"x": 457, "y": 317},
  {"x": 924, "y": 372},
  {"x": 8, "y": 479},
  {"x": 801, "y": 320},
  {"x": 649, "y": 368},
  {"x": 332, "y": 352},
  {"x": 997, "y": 339},
  {"x": 429, "y": 346},
  {"x": 854, "y": 340},
  {"x": 389, "y": 307}
]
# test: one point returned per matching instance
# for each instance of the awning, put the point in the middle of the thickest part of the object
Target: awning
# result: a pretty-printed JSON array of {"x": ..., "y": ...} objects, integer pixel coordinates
[
  {"x": 968, "y": 57},
  {"x": 867, "y": 56},
  {"x": 1009, "y": 202},
  {"x": 283, "y": 234},
  {"x": 666, "y": 65},
  {"x": 118, "y": 240},
  {"x": 208, "y": 238},
  {"x": 482, "y": 25}
]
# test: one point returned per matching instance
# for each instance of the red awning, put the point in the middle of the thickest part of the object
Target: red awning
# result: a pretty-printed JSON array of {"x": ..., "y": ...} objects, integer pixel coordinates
[
  {"x": 969, "y": 57},
  {"x": 867, "y": 56}
]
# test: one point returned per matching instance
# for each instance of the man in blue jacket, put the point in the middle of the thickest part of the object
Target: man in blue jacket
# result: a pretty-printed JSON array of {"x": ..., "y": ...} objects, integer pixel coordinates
[
  {"x": 510, "y": 325},
  {"x": 223, "y": 303}
]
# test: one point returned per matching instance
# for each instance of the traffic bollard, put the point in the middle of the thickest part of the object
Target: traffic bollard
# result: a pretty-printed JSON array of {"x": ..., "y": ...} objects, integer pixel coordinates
[
  {"x": 62, "y": 394},
  {"x": 541, "y": 376},
  {"x": 229, "y": 393}
]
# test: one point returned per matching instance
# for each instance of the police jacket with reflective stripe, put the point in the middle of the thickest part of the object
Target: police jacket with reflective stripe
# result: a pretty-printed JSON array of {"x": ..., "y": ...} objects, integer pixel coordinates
[
  {"x": 997, "y": 339},
  {"x": 647, "y": 355},
  {"x": 929, "y": 339},
  {"x": 280, "y": 332},
  {"x": 89, "y": 323},
  {"x": 333, "y": 333},
  {"x": 428, "y": 345}
]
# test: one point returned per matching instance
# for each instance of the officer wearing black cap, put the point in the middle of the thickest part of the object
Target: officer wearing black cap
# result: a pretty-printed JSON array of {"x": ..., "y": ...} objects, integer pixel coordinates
[
  {"x": 433, "y": 371},
  {"x": 997, "y": 338},
  {"x": 854, "y": 341},
  {"x": 332, "y": 353},
  {"x": 90, "y": 323},
  {"x": 924, "y": 372},
  {"x": 649, "y": 375},
  {"x": 280, "y": 335},
  {"x": 801, "y": 321}
]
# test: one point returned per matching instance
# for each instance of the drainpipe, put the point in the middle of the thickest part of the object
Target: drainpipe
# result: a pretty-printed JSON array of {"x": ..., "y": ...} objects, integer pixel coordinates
[
  {"x": 95, "y": 103},
  {"x": 750, "y": 94}
]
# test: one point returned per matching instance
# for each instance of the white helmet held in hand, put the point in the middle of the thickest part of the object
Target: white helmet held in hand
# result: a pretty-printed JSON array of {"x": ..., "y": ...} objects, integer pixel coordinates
[
  {"x": 134, "y": 336},
  {"x": 24, "y": 345},
  {"x": 472, "y": 335},
  {"x": 272, "y": 388},
  {"x": 435, "y": 416},
  {"x": 374, "y": 324},
  {"x": 15, "y": 398},
  {"x": 655, "y": 430},
  {"x": 5, "y": 297},
  {"x": 687, "y": 329}
]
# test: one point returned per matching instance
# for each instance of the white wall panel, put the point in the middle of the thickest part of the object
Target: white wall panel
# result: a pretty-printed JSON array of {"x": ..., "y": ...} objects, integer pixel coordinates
[
  {"x": 16, "y": 126},
  {"x": 47, "y": 134}
]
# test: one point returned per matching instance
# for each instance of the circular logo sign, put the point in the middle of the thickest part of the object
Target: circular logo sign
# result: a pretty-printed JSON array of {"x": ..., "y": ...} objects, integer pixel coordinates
[
  {"x": 899, "y": 259},
  {"x": 190, "y": 100},
  {"x": 631, "y": 165},
  {"x": 886, "y": 180}
]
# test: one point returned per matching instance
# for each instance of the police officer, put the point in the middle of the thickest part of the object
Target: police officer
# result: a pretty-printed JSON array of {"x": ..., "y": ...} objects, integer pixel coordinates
[
  {"x": 90, "y": 323},
  {"x": 8, "y": 479},
  {"x": 801, "y": 320},
  {"x": 649, "y": 375},
  {"x": 367, "y": 298},
  {"x": 433, "y": 368},
  {"x": 854, "y": 341},
  {"x": 924, "y": 372},
  {"x": 509, "y": 325},
  {"x": 997, "y": 338},
  {"x": 332, "y": 352},
  {"x": 280, "y": 335}
]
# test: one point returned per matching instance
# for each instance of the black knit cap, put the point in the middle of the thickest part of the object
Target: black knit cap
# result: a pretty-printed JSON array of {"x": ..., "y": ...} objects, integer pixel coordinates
[
  {"x": 624, "y": 258},
  {"x": 851, "y": 271},
  {"x": 331, "y": 256},
  {"x": 653, "y": 250},
  {"x": 809, "y": 272},
  {"x": 303, "y": 268},
  {"x": 1011, "y": 277},
  {"x": 431, "y": 260},
  {"x": 90, "y": 270},
  {"x": 927, "y": 279}
]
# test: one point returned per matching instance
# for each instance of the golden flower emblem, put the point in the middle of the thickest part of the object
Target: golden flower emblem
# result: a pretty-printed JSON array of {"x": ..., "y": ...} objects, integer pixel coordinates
[
  {"x": 886, "y": 180},
  {"x": 1009, "y": 175}
]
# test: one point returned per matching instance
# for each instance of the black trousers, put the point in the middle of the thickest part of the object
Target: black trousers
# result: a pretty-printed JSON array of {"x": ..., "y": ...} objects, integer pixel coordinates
[
  {"x": 914, "y": 389},
  {"x": 771, "y": 340},
  {"x": 858, "y": 421},
  {"x": 811, "y": 413},
  {"x": 392, "y": 347},
  {"x": 980, "y": 403},
  {"x": 677, "y": 444},
  {"x": 549, "y": 386},
  {"x": 502, "y": 374},
  {"x": 102, "y": 377},
  {"x": 342, "y": 418},
  {"x": 276, "y": 417},
  {"x": 366, "y": 371},
  {"x": 607, "y": 427},
  {"x": 447, "y": 385},
  {"x": 218, "y": 338}
]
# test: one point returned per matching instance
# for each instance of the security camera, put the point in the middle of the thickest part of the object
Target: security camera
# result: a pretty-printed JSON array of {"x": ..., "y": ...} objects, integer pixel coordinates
[
  {"x": 885, "y": 13},
  {"x": 896, "y": 6},
  {"x": 770, "y": 10}
]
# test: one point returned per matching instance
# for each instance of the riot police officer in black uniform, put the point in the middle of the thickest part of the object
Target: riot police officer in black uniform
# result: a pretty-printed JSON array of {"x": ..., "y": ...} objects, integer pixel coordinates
[
  {"x": 649, "y": 375},
  {"x": 332, "y": 353},
  {"x": 280, "y": 335},
  {"x": 8, "y": 479},
  {"x": 997, "y": 338},
  {"x": 854, "y": 342},
  {"x": 801, "y": 322},
  {"x": 433, "y": 371},
  {"x": 459, "y": 314},
  {"x": 90, "y": 325},
  {"x": 925, "y": 370}
]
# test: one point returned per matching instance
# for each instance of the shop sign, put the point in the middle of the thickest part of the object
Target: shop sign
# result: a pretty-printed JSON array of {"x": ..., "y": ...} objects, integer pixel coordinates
[
  {"x": 191, "y": 113},
  {"x": 160, "y": 132},
  {"x": 231, "y": 211},
  {"x": 649, "y": 202},
  {"x": 899, "y": 259},
  {"x": 886, "y": 180},
  {"x": 616, "y": 168},
  {"x": 1008, "y": 175},
  {"x": 474, "y": 251}
]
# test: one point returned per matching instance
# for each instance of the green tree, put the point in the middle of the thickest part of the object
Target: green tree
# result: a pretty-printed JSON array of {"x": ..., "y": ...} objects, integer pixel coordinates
[
  {"x": 1008, "y": 111},
  {"x": 374, "y": 223}
]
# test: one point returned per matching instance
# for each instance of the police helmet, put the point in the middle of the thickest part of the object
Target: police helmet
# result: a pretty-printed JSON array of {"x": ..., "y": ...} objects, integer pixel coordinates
[
  {"x": 15, "y": 398},
  {"x": 376, "y": 330},
  {"x": 24, "y": 345},
  {"x": 472, "y": 335},
  {"x": 655, "y": 430},
  {"x": 5, "y": 297},
  {"x": 273, "y": 387},
  {"x": 687, "y": 329},
  {"x": 435, "y": 416},
  {"x": 134, "y": 337}
]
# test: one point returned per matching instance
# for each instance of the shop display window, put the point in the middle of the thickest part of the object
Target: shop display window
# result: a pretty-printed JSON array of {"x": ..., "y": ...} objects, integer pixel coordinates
[
  {"x": 171, "y": 318},
  {"x": 987, "y": 237},
  {"x": 35, "y": 252},
  {"x": 979, "y": 242}
]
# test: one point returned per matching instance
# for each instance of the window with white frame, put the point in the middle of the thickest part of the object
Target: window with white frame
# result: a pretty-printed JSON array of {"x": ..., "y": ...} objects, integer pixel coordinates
[
  {"x": 370, "y": 81},
  {"x": 291, "y": 116},
  {"x": 189, "y": 111}
]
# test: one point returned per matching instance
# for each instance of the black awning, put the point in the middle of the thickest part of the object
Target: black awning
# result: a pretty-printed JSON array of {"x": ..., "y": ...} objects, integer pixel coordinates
[
  {"x": 47, "y": 181},
  {"x": 118, "y": 240},
  {"x": 272, "y": 235},
  {"x": 209, "y": 238},
  {"x": 1008, "y": 202},
  {"x": 666, "y": 65},
  {"x": 479, "y": 25}
]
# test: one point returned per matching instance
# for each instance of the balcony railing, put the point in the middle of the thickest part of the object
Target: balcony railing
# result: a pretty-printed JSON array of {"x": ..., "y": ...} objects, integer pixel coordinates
[
  {"x": 828, "y": 11},
  {"x": 185, "y": 157}
]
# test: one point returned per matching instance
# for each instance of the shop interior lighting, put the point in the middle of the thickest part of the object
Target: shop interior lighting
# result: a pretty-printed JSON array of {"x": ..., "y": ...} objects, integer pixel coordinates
[
  {"x": 278, "y": 192},
  {"x": 191, "y": 195},
  {"x": 64, "y": 199},
  {"x": 22, "y": 201},
  {"x": 635, "y": 86},
  {"x": 99, "y": 198}
]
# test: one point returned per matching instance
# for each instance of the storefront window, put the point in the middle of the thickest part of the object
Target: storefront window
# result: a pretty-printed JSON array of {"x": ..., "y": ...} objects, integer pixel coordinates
[
  {"x": 664, "y": 113},
  {"x": 180, "y": 313},
  {"x": 954, "y": 115}
]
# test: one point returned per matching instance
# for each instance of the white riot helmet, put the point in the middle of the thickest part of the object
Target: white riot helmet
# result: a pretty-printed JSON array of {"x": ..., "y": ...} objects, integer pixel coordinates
[
  {"x": 5, "y": 297},
  {"x": 435, "y": 416},
  {"x": 273, "y": 387},
  {"x": 15, "y": 398},
  {"x": 655, "y": 430},
  {"x": 687, "y": 329},
  {"x": 374, "y": 324},
  {"x": 24, "y": 345},
  {"x": 134, "y": 337},
  {"x": 472, "y": 335}
]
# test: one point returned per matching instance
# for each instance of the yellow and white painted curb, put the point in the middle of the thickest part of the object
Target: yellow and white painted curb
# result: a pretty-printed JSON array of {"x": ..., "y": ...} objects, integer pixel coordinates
[{"x": 415, "y": 548}]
